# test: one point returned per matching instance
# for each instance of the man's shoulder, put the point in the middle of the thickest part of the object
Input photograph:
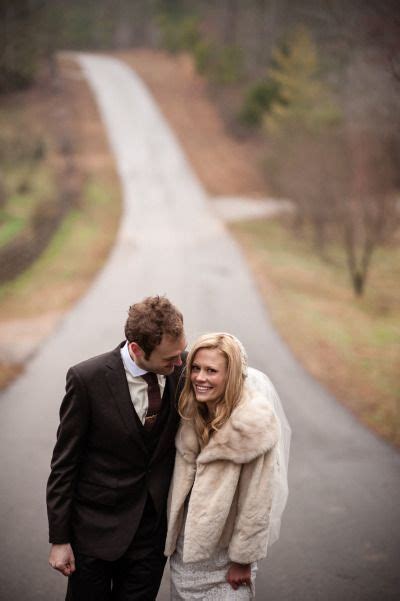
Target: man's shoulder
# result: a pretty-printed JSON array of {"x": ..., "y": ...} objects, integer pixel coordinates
[{"x": 98, "y": 362}]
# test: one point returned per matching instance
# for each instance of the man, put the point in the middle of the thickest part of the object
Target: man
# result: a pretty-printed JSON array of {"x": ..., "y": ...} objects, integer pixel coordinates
[{"x": 113, "y": 460}]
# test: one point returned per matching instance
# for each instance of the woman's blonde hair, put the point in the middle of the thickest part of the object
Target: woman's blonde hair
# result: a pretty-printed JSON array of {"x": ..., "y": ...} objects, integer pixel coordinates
[{"x": 233, "y": 352}]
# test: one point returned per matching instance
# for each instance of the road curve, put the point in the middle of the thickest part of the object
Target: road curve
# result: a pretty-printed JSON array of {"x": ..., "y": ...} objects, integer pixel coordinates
[{"x": 340, "y": 535}]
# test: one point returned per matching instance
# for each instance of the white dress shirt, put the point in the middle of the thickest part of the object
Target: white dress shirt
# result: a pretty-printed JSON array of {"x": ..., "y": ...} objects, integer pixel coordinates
[{"x": 138, "y": 386}]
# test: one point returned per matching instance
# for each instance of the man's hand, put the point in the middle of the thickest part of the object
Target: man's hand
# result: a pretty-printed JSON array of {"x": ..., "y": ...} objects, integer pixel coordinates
[
  {"x": 239, "y": 574},
  {"x": 62, "y": 558}
]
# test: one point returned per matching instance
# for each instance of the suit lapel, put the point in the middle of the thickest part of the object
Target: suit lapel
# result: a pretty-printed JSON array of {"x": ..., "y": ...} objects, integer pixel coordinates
[{"x": 117, "y": 382}]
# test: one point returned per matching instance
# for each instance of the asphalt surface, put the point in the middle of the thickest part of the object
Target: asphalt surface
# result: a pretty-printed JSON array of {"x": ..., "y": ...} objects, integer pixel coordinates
[{"x": 340, "y": 534}]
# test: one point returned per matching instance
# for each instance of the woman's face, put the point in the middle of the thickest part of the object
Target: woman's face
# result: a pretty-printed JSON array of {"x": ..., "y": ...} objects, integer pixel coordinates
[{"x": 208, "y": 375}]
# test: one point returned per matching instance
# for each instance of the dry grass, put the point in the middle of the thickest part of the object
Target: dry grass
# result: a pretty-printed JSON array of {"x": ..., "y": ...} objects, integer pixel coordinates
[
  {"x": 351, "y": 345},
  {"x": 80, "y": 246},
  {"x": 8, "y": 372}
]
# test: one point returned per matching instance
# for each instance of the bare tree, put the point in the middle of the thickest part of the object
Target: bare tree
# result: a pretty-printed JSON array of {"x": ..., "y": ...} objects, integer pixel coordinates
[
  {"x": 18, "y": 42},
  {"x": 383, "y": 32},
  {"x": 369, "y": 210}
]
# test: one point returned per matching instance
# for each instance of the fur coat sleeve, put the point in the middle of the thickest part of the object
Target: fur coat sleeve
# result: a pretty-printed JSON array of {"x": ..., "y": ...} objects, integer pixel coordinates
[
  {"x": 249, "y": 538},
  {"x": 230, "y": 481}
]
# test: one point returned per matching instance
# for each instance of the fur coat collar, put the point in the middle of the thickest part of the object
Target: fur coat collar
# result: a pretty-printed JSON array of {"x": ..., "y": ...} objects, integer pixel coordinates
[{"x": 251, "y": 431}]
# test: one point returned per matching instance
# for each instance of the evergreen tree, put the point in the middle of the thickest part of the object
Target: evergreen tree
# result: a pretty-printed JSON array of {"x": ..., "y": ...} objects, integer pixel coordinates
[{"x": 305, "y": 100}]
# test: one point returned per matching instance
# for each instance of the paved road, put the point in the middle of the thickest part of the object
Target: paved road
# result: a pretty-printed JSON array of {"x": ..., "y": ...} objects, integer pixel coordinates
[{"x": 340, "y": 537}]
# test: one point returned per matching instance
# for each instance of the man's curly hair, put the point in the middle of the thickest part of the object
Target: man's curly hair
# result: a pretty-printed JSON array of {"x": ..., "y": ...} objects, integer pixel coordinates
[{"x": 151, "y": 319}]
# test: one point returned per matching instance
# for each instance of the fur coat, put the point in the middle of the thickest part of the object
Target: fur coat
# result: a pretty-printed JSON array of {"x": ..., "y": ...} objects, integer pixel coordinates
[{"x": 230, "y": 481}]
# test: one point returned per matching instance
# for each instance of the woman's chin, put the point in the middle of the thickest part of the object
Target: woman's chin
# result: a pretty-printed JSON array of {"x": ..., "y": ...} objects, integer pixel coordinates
[{"x": 200, "y": 398}]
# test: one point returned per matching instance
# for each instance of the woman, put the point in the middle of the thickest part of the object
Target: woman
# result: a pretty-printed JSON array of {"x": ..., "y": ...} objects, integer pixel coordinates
[{"x": 229, "y": 486}]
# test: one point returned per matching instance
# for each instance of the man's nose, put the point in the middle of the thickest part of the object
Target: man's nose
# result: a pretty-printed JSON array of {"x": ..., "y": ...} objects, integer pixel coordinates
[{"x": 178, "y": 361}]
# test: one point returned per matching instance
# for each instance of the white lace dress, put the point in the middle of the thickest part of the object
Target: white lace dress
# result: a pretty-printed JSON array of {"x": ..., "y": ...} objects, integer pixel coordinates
[{"x": 205, "y": 580}]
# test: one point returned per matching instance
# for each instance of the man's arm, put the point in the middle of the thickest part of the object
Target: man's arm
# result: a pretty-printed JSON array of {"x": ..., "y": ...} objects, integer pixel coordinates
[{"x": 71, "y": 438}]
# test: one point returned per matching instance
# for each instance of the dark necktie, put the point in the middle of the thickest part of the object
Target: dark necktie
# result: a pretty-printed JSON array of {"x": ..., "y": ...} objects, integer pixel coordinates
[{"x": 154, "y": 396}]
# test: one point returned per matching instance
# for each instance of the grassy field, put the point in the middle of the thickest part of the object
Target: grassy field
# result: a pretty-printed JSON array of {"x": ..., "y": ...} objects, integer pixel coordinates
[
  {"x": 76, "y": 251},
  {"x": 351, "y": 345},
  {"x": 28, "y": 179},
  {"x": 20, "y": 206},
  {"x": 81, "y": 243}
]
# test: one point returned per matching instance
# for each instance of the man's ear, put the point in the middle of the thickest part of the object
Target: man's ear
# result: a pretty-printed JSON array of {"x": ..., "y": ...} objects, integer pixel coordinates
[{"x": 135, "y": 349}]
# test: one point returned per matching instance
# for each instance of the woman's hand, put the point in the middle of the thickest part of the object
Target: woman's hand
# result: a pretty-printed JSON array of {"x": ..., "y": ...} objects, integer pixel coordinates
[{"x": 239, "y": 574}]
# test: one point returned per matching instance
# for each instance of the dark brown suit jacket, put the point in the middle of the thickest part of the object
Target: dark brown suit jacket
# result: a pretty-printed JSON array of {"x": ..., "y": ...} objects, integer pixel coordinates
[{"x": 101, "y": 470}]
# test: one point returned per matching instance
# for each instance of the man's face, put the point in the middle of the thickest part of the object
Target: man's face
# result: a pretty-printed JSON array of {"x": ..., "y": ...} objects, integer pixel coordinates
[{"x": 164, "y": 358}]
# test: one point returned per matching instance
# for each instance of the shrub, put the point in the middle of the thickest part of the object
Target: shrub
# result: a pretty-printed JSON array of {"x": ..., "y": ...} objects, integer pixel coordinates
[
  {"x": 227, "y": 67},
  {"x": 203, "y": 54},
  {"x": 178, "y": 34},
  {"x": 258, "y": 100}
]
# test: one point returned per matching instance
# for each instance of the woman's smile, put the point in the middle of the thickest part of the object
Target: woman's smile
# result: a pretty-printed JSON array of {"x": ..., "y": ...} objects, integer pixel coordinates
[
  {"x": 201, "y": 389},
  {"x": 208, "y": 375}
]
